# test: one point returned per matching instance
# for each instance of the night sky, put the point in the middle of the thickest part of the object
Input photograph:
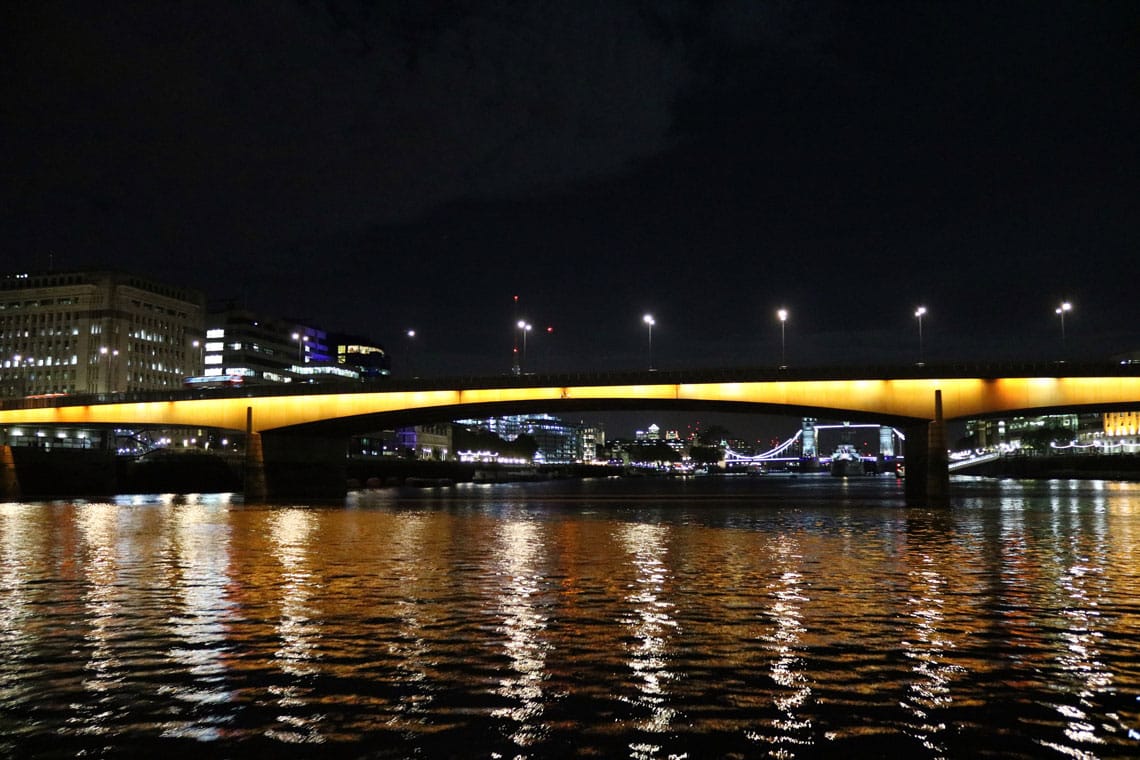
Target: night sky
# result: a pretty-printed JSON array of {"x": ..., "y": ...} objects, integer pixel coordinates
[{"x": 379, "y": 166}]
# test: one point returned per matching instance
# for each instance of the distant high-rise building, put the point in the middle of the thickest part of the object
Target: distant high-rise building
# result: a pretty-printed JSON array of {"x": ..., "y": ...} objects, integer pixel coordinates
[
  {"x": 593, "y": 438},
  {"x": 96, "y": 332}
]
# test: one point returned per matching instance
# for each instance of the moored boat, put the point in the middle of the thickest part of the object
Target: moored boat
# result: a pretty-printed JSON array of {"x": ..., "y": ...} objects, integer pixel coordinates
[{"x": 845, "y": 461}]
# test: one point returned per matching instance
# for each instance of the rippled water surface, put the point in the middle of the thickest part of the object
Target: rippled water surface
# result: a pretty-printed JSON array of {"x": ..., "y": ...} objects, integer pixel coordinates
[{"x": 718, "y": 617}]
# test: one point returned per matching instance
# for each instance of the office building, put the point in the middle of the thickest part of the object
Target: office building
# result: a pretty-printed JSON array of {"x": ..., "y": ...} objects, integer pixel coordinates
[
  {"x": 96, "y": 332},
  {"x": 359, "y": 354},
  {"x": 261, "y": 349}
]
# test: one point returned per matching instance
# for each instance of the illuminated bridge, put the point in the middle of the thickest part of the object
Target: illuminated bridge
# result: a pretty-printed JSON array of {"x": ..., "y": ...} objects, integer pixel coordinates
[{"x": 301, "y": 425}]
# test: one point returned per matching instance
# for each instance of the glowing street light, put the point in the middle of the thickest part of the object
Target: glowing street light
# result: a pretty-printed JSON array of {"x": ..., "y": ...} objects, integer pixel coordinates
[
  {"x": 782, "y": 315},
  {"x": 411, "y": 335},
  {"x": 918, "y": 313},
  {"x": 110, "y": 354},
  {"x": 649, "y": 321},
  {"x": 20, "y": 363},
  {"x": 1064, "y": 307},
  {"x": 301, "y": 341}
]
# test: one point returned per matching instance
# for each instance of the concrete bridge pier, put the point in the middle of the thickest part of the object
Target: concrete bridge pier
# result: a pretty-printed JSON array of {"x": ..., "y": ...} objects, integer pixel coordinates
[
  {"x": 9, "y": 480},
  {"x": 927, "y": 464},
  {"x": 253, "y": 473}
]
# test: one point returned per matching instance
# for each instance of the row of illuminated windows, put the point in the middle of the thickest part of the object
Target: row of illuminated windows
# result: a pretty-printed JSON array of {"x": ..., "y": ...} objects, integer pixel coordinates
[
  {"x": 41, "y": 332},
  {"x": 42, "y": 361},
  {"x": 150, "y": 336},
  {"x": 36, "y": 303},
  {"x": 30, "y": 321},
  {"x": 1121, "y": 423}
]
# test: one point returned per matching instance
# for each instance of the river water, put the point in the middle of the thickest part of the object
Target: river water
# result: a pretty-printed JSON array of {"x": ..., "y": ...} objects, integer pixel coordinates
[{"x": 642, "y": 618}]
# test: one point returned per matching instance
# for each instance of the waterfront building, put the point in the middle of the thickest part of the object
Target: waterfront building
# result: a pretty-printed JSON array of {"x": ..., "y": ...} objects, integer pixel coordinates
[
  {"x": 593, "y": 440},
  {"x": 559, "y": 442},
  {"x": 431, "y": 442},
  {"x": 96, "y": 332},
  {"x": 1121, "y": 432},
  {"x": 1016, "y": 431}
]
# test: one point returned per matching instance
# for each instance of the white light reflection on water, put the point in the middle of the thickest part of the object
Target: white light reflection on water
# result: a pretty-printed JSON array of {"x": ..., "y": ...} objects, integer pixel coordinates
[
  {"x": 788, "y": 597},
  {"x": 201, "y": 538},
  {"x": 298, "y": 632},
  {"x": 1081, "y": 588},
  {"x": 520, "y": 551},
  {"x": 103, "y": 603},
  {"x": 16, "y": 645},
  {"x": 651, "y": 627},
  {"x": 929, "y": 692}
]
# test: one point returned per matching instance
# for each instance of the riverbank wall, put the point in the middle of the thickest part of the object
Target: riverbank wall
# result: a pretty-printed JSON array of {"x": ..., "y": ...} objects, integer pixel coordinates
[{"x": 1063, "y": 466}]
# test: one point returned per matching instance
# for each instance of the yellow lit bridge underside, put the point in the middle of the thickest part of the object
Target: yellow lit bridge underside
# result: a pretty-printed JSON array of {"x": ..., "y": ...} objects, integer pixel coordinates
[{"x": 914, "y": 398}]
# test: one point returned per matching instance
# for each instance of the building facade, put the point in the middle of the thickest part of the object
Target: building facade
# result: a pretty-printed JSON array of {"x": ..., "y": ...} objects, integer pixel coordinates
[
  {"x": 360, "y": 354},
  {"x": 1121, "y": 432},
  {"x": 96, "y": 332},
  {"x": 428, "y": 442},
  {"x": 559, "y": 442},
  {"x": 263, "y": 349},
  {"x": 257, "y": 348}
]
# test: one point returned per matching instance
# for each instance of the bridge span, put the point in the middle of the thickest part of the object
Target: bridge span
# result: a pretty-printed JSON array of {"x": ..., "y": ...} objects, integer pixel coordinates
[{"x": 917, "y": 398}]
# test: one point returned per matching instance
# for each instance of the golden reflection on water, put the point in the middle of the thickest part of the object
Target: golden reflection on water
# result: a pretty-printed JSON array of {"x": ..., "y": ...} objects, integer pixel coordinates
[
  {"x": 408, "y": 645},
  {"x": 784, "y": 632}
]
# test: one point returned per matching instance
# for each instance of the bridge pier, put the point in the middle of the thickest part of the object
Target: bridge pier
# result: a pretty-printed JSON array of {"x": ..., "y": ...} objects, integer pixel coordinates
[
  {"x": 927, "y": 464},
  {"x": 284, "y": 466},
  {"x": 253, "y": 474},
  {"x": 9, "y": 480}
]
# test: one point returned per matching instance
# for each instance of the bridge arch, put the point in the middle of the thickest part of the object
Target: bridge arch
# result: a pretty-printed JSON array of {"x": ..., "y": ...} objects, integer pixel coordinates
[
  {"x": 909, "y": 397},
  {"x": 858, "y": 396}
]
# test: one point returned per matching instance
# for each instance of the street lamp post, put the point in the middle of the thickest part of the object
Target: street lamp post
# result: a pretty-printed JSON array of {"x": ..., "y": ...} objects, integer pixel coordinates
[
  {"x": 524, "y": 328},
  {"x": 411, "y": 335},
  {"x": 301, "y": 341},
  {"x": 918, "y": 313},
  {"x": 782, "y": 315},
  {"x": 1064, "y": 307},
  {"x": 196, "y": 357},
  {"x": 515, "y": 368},
  {"x": 649, "y": 321}
]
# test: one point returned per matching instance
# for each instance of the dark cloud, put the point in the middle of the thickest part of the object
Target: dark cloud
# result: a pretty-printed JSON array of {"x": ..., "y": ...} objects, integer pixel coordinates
[{"x": 253, "y": 124}]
